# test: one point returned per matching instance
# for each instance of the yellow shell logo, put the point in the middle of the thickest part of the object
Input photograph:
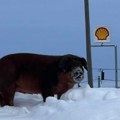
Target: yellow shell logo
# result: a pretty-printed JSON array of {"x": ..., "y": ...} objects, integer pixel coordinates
[{"x": 102, "y": 33}]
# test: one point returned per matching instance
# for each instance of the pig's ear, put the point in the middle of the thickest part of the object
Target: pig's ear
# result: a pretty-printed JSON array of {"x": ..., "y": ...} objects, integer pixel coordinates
[{"x": 84, "y": 63}]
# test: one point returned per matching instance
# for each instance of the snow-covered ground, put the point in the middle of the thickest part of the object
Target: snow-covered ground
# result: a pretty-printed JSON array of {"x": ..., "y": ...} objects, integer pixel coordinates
[{"x": 82, "y": 103}]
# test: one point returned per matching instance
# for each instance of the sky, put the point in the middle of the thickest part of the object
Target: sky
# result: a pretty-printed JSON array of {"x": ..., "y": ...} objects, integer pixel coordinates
[
  {"x": 40, "y": 26},
  {"x": 57, "y": 27}
]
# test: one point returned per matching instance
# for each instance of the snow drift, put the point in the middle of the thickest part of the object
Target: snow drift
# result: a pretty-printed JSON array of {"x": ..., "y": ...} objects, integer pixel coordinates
[{"x": 76, "y": 104}]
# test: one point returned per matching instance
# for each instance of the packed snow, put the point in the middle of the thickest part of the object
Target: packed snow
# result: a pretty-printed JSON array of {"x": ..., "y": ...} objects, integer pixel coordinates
[{"x": 83, "y": 103}]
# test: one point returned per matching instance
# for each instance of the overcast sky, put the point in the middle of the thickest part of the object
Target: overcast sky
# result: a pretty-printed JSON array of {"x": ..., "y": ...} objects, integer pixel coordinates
[
  {"x": 57, "y": 27},
  {"x": 41, "y": 26}
]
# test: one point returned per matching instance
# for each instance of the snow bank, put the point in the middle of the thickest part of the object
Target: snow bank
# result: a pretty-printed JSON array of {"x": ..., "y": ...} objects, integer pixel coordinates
[{"x": 76, "y": 104}]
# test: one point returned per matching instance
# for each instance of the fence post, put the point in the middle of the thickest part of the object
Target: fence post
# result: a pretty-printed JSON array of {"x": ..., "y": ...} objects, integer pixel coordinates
[{"x": 98, "y": 81}]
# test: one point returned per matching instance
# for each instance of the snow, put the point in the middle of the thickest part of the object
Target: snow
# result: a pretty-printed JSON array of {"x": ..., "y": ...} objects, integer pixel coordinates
[{"x": 83, "y": 103}]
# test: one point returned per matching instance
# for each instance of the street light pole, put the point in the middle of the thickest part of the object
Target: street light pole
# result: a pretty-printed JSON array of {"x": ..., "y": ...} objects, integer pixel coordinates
[{"x": 88, "y": 43}]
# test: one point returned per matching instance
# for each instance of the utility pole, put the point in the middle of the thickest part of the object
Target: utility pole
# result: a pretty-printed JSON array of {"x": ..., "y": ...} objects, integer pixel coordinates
[{"x": 88, "y": 43}]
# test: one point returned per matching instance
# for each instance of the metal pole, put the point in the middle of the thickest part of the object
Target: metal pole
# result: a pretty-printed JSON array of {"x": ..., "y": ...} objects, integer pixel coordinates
[
  {"x": 116, "y": 68},
  {"x": 88, "y": 43}
]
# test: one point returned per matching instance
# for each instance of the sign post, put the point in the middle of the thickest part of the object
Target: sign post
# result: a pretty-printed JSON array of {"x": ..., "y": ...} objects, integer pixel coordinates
[{"x": 102, "y": 35}]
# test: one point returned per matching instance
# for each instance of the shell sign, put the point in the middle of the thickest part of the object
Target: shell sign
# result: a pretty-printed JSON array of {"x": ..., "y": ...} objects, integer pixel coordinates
[{"x": 102, "y": 35}]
